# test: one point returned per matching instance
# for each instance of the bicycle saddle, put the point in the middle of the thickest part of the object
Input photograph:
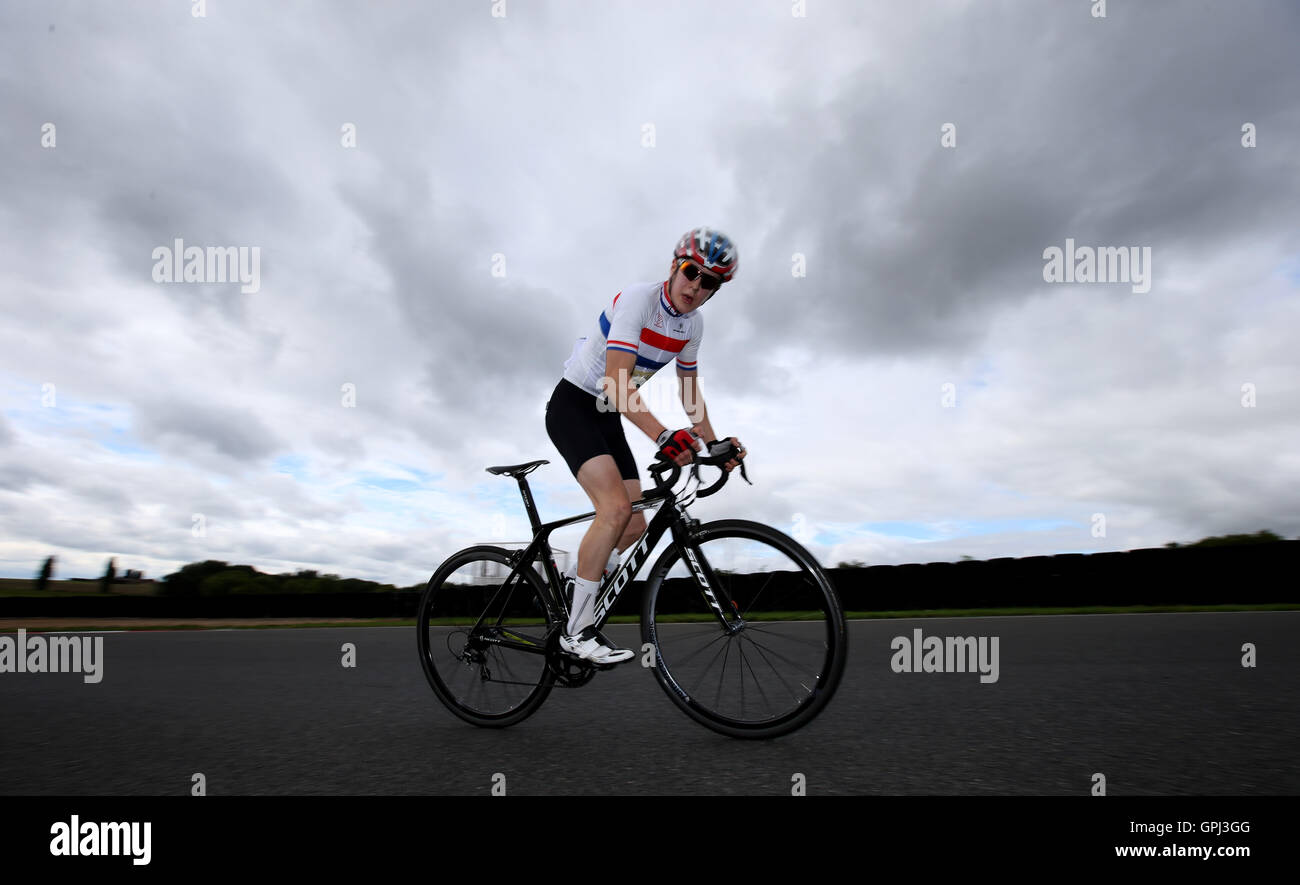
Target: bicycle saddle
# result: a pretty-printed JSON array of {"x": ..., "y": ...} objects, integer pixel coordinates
[{"x": 517, "y": 470}]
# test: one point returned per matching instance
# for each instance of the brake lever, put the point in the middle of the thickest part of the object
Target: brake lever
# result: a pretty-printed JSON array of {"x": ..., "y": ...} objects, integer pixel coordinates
[{"x": 727, "y": 456}]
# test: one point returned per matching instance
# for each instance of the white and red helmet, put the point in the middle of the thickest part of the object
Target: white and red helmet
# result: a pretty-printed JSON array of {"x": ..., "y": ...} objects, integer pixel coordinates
[{"x": 710, "y": 249}]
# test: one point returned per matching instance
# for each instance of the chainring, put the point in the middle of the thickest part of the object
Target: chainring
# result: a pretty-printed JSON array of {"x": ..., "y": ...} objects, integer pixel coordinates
[{"x": 570, "y": 672}]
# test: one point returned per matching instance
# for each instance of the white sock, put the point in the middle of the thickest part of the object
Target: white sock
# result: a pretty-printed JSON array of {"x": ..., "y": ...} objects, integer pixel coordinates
[{"x": 583, "y": 614}]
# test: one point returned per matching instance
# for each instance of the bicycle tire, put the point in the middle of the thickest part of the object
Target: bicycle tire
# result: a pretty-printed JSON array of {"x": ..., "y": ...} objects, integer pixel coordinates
[
  {"x": 479, "y": 680},
  {"x": 793, "y": 646}
]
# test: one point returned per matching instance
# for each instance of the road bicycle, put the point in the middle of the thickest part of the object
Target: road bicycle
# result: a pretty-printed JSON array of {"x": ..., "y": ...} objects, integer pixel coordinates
[{"x": 739, "y": 623}]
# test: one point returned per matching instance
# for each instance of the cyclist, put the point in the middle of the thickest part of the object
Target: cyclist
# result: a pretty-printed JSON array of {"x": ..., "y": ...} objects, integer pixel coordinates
[{"x": 645, "y": 327}]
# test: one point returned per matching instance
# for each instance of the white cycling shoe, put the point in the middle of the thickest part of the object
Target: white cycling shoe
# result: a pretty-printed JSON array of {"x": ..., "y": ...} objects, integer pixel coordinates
[{"x": 588, "y": 646}]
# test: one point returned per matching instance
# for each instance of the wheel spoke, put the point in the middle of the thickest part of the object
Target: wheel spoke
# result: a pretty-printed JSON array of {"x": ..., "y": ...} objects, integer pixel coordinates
[
  {"x": 753, "y": 602},
  {"x": 718, "y": 636},
  {"x": 724, "y": 651},
  {"x": 753, "y": 627},
  {"x": 777, "y": 672},
  {"x": 758, "y": 685}
]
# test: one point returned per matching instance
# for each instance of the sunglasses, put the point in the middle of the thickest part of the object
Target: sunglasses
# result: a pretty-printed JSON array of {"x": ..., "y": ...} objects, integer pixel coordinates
[{"x": 709, "y": 283}]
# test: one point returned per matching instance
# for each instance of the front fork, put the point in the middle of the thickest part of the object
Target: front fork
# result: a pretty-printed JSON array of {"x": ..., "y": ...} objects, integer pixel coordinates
[{"x": 707, "y": 581}]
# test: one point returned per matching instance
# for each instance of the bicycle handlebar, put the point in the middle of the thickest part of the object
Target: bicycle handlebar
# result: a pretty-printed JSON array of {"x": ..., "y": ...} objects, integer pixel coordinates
[{"x": 663, "y": 464}]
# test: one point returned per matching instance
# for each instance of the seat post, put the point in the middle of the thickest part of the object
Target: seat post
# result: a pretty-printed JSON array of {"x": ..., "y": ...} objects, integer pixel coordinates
[{"x": 529, "y": 506}]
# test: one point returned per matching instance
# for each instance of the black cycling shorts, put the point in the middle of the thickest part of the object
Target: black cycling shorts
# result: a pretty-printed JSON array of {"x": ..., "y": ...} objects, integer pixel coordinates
[{"x": 581, "y": 431}]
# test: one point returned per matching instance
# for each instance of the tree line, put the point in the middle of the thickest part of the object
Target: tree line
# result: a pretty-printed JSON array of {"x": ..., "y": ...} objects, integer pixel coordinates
[{"x": 213, "y": 577}]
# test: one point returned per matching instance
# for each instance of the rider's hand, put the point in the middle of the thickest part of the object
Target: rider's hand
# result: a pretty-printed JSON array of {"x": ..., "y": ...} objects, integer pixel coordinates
[
  {"x": 679, "y": 446},
  {"x": 718, "y": 447}
]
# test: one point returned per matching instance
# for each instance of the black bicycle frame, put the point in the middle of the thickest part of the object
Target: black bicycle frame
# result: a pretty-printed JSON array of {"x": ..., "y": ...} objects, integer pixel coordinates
[{"x": 671, "y": 517}]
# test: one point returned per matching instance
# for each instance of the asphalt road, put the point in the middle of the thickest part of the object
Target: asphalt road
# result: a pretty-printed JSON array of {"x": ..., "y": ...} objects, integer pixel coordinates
[{"x": 1158, "y": 704}]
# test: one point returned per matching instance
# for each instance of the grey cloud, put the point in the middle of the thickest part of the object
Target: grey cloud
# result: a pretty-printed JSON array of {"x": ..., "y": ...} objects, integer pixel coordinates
[
  {"x": 487, "y": 340},
  {"x": 1066, "y": 127},
  {"x": 176, "y": 425},
  {"x": 16, "y": 478}
]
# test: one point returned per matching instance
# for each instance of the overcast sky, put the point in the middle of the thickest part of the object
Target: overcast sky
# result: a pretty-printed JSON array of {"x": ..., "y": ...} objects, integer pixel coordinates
[{"x": 442, "y": 199}]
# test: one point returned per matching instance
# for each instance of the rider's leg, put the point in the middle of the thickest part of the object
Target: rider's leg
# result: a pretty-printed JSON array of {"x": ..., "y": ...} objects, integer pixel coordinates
[
  {"x": 636, "y": 524},
  {"x": 600, "y": 479},
  {"x": 593, "y": 445}
]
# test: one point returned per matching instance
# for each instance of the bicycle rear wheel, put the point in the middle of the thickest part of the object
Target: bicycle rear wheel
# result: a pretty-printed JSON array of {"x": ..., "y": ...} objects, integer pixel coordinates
[
  {"x": 776, "y": 662},
  {"x": 482, "y": 643}
]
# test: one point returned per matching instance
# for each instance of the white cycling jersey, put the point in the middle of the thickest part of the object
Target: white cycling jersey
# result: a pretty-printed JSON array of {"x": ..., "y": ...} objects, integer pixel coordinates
[{"x": 642, "y": 321}]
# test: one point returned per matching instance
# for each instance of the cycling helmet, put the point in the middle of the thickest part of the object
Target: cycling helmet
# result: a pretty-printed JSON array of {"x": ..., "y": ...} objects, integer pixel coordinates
[{"x": 710, "y": 249}]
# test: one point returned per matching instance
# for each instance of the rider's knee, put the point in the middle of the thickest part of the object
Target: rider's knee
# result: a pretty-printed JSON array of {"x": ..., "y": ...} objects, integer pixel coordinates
[{"x": 617, "y": 513}]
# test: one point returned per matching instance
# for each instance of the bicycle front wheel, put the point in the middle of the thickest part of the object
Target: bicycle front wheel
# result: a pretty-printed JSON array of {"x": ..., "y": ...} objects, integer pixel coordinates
[
  {"x": 766, "y": 659},
  {"x": 482, "y": 641}
]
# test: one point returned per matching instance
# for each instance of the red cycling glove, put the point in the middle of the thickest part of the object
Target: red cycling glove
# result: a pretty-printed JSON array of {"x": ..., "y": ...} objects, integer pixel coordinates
[{"x": 673, "y": 442}]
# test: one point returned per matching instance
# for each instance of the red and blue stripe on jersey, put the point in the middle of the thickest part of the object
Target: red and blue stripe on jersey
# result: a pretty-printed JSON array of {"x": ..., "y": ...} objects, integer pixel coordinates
[{"x": 640, "y": 320}]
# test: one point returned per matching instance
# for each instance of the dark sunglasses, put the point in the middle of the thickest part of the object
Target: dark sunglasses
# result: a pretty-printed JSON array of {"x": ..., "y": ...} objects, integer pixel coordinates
[{"x": 710, "y": 283}]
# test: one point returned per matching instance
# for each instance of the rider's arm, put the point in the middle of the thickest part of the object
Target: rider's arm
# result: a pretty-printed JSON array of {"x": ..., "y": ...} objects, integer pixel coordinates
[
  {"x": 693, "y": 403},
  {"x": 688, "y": 373},
  {"x": 618, "y": 384}
]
